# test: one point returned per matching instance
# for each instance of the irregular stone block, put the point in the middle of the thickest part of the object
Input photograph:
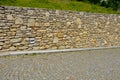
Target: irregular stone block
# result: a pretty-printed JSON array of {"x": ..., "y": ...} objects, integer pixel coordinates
[
  {"x": 13, "y": 48},
  {"x": 37, "y": 24},
  {"x": 47, "y": 24},
  {"x": 68, "y": 24},
  {"x": 18, "y": 21},
  {"x": 1, "y": 43},
  {"x": 54, "y": 47},
  {"x": 55, "y": 40},
  {"x": 30, "y": 12},
  {"x": 31, "y": 22},
  {"x": 77, "y": 38},
  {"x": 17, "y": 40},
  {"x": 23, "y": 27},
  {"x": 78, "y": 21},
  {"x": 9, "y": 17},
  {"x": 60, "y": 35}
]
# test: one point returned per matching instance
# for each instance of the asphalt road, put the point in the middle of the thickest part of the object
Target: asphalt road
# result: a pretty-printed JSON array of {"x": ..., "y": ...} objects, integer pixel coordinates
[{"x": 82, "y": 65}]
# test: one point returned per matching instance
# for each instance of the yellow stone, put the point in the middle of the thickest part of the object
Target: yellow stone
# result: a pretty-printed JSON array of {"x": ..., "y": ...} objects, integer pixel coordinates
[
  {"x": 47, "y": 24},
  {"x": 60, "y": 35}
]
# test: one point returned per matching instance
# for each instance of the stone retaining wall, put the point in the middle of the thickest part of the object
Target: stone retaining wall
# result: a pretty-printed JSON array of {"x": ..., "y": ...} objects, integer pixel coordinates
[{"x": 40, "y": 29}]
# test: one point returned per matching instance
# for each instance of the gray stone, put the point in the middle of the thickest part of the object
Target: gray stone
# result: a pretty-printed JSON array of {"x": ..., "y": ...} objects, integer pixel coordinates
[{"x": 47, "y": 14}]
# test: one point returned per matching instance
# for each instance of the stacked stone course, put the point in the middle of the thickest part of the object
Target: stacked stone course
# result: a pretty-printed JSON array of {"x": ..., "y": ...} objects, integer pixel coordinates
[{"x": 55, "y": 29}]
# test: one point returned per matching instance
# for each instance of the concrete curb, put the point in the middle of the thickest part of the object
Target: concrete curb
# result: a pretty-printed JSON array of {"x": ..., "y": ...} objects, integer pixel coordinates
[{"x": 52, "y": 51}]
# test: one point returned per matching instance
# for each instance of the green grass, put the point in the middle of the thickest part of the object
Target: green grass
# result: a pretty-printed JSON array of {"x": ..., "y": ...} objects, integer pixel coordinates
[{"x": 59, "y": 4}]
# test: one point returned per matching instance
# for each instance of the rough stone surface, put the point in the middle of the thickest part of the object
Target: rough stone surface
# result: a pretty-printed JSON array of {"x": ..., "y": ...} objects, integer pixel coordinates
[
  {"x": 55, "y": 40},
  {"x": 83, "y": 65},
  {"x": 9, "y": 17},
  {"x": 18, "y": 21},
  {"x": 31, "y": 22},
  {"x": 58, "y": 29},
  {"x": 47, "y": 24}
]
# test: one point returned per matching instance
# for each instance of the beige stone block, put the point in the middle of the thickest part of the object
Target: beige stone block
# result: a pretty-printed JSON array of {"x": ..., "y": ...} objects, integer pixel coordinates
[
  {"x": 77, "y": 39},
  {"x": 0, "y": 47},
  {"x": 41, "y": 31},
  {"x": 47, "y": 24},
  {"x": 62, "y": 47},
  {"x": 17, "y": 40},
  {"x": 55, "y": 40},
  {"x": 58, "y": 24},
  {"x": 22, "y": 48},
  {"x": 14, "y": 26},
  {"x": 13, "y": 48},
  {"x": 78, "y": 21},
  {"x": 50, "y": 35},
  {"x": 54, "y": 47},
  {"x": 42, "y": 47},
  {"x": 37, "y": 24},
  {"x": 79, "y": 26},
  {"x": 68, "y": 24},
  {"x": 13, "y": 29},
  {"x": 1, "y": 43},
  {"x": 60, "y": 35},
  {"x": 31, "y": 22},
  {"x": 13, "y": 33},
  {"x": 36, "y": 48},
  {"x": 46, "y": 46},
  {"x": 9, "y": 17},
  {"x": 30, "y": 12},
  {"x": 23, "y": 27},
  {"x": 18, "y": 21}
]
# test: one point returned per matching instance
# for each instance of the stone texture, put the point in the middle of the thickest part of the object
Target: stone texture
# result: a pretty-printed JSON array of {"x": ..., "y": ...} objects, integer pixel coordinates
[
  {"x": 55, "y": 29},
  {"x": 37, "y": 24},
  {"x": 31, "y": 22},
  {"x": 55, "y": 40},
  {"x": 9, "y": 17},
  {"x": 30, "y": 12},
  {"x": 17, "y": 40},
  {"x": 60, "y": 35},
  {"x": 68, "y": 23},
  {"x": 13, "y": 48},
  {"x": 23, "y": 28},
  {"x": 18, "y": 21},
  {"x": 78, "y": 21},
  {"x": 81, "y": 65},
  {"x": 47, "y": 24},
  {"x": 1, "y": 43}
]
